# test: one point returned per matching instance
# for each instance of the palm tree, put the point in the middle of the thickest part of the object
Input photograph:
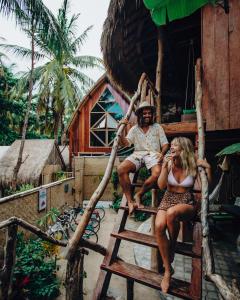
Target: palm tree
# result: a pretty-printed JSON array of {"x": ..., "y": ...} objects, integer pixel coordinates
[
  {"x": 59, "y": 82},
  {"x": 30, "y": 14}
]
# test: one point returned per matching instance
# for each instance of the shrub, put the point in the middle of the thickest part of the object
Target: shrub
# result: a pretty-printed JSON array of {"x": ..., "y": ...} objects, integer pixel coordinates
[
  {"x": 35, "y": 271},
  {"x": 116, "y": 201}
]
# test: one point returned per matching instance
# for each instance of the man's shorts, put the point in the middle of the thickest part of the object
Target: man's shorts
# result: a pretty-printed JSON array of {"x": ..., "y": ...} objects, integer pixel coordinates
[{"x": 149, "y": 159}]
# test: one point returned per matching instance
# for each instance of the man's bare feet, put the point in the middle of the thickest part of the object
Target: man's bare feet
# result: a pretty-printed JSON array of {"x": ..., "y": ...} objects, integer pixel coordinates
[
  {"x": 131, "y": 207},
  {"x": 166, "y": 282},
  {"x": 137, "y": 198}
]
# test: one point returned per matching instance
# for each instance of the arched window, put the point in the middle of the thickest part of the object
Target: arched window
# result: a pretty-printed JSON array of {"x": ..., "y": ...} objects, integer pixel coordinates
[{"x": 104, "y": 119}]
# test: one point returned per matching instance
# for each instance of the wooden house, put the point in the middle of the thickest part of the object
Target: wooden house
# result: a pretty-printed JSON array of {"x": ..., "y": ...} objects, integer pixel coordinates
[
  {"x": 133, "y": 43},
  {"x": 95, "y": 120},
  {"x": 129, "y": 43}
]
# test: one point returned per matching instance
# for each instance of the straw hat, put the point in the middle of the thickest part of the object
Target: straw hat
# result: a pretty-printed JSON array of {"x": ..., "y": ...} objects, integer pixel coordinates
[{"x": 143, "y": 105}]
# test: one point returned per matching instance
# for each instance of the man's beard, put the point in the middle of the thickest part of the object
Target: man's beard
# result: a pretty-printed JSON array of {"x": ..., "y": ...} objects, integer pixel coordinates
[{"x": 141, "y": 121}]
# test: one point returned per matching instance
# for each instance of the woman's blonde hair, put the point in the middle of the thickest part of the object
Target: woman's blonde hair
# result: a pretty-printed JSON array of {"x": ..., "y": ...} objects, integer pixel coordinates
[{"x": 187, "y": 155}]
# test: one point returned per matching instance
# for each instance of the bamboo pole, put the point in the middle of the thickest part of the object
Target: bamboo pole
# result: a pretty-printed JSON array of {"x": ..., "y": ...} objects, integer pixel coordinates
[
  {"x": 156, "y": 263},
  {"x": 227, "y": 292},
  {"x": 159, "y": 76},
  {"x": 144, "y": 91},
  {"x": 75, "y": 240}
]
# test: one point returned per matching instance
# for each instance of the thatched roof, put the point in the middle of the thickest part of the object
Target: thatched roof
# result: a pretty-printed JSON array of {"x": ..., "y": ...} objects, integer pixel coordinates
[
  {"x": 129, "y": 46},
  {"x": 64, "y": 150},
  {"x": 3, "y": 150},
  {"x": 36, "y": 154}
]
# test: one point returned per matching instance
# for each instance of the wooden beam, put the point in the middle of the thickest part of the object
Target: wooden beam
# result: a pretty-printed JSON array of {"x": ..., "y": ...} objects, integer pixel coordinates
[{"x": 180, "y": 128}]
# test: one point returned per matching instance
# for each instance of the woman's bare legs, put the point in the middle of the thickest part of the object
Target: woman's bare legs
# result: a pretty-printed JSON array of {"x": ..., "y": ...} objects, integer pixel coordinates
[
  {"x": 175, "y": 214},
  {"x": 163, "y": 245}
]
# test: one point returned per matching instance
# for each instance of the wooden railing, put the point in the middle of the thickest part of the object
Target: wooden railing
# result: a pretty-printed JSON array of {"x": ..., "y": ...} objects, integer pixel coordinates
[{"x": 73, "y": 273}]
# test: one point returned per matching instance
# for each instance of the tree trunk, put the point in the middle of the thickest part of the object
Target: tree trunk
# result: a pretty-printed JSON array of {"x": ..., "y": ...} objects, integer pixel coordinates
[
  {"x": 56, "y": 125},
  {"x": 9, "y": 261},
  {"x": 159, "y": 77},
  {"x": 24, "y": 130}
]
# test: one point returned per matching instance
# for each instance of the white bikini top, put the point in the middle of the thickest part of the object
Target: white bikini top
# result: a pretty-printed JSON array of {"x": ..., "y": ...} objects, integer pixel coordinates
[{"x": 186, "y": 183}]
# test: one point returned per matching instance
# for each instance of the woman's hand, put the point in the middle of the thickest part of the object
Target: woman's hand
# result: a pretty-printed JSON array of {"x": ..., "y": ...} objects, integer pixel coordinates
[
  {"x": 160, "y": 156},
  {"x": 203, "y": 163},
  {"x": 167, "y": 158}
]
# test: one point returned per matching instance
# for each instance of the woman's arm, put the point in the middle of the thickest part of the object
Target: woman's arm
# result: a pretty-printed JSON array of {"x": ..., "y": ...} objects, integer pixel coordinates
[{"x": 162, "y": 179}]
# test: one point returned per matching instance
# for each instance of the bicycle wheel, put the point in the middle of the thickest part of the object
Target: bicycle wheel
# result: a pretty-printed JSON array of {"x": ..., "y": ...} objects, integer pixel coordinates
[
  {"x": 73, "y": 225},
  {"x": 101, "y": 212},
  {"x": 90, "y": 234},
  {"x": 95, "y": 224}
]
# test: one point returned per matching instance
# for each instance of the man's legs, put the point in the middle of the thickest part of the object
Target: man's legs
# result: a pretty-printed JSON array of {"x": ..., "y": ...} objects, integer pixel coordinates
[
  {"x": 148, "y": 184},
  {"x": 124, "y": 169}
]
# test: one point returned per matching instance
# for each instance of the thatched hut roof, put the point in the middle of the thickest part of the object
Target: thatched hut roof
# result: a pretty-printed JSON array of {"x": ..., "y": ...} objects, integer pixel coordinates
[
  {"x": 36, "y": 155},
  {"x": 3, "y": 150},
  {"x": 129, "y": 46}
]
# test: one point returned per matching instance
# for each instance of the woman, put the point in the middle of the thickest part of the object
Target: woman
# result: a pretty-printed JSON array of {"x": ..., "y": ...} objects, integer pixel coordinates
[{"x": 178, "y": 174}]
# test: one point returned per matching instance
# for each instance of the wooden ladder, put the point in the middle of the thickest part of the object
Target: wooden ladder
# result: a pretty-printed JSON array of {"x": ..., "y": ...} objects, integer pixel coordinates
[{"x": 112, "y": 264}]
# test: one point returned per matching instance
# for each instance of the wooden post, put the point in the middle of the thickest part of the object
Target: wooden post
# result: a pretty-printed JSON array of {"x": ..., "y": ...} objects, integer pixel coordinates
[
  {"x": 79, "y": 163},
  {"x": 144, "y": 91},
  {"x": 159, "y": 76},
  {"x": 156, "y": 262},
  {"x": 75, "y": 275},
  {"x": 130, "y": 289},
  {"x": 226, "y": 291},
  {"x": 9, "y": 261}
]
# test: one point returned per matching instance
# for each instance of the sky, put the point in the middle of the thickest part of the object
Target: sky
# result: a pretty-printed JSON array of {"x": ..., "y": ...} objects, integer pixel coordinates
[{"x": 93, "y": 12}]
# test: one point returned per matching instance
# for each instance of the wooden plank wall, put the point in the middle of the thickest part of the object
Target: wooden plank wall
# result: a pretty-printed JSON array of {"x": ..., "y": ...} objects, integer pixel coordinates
[{"x": 221, "y": 66}]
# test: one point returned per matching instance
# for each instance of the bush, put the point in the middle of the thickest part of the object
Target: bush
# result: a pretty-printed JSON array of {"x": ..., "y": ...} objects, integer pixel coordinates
[
  {"x": 116, "y": 201},
  {"x": 35, "y": 271},
  {"x": 21, "y": 188},
  {"x": 60, "y": 175}
]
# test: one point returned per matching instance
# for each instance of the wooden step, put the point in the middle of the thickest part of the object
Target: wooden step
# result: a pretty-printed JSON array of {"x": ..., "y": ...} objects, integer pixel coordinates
[
  {"x": 149, "y": 240},
  {"x": 147, "y": 209},
  {"x": 149, "y": 278}
]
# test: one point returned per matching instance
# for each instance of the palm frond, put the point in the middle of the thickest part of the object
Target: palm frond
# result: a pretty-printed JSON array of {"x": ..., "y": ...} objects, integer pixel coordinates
[
  {"x": 78, "y": 42},
  {"x": 232, "y": 149},
  {"x": 86, "y": 61},
  {"x": 22, "y": 51}
]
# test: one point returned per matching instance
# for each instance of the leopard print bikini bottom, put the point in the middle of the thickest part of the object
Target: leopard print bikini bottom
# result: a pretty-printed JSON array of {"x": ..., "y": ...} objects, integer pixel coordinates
[{"x": 172, "y": 198}]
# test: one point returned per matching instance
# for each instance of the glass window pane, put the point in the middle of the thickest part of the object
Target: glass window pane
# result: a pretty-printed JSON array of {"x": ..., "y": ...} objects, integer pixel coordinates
[
  {"x": 95, "y": 140},
  {"x": 95, "y": 117}
]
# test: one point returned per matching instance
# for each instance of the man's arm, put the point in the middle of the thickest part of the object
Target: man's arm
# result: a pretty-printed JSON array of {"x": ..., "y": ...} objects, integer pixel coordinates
[{"x": 161, "y": 154}]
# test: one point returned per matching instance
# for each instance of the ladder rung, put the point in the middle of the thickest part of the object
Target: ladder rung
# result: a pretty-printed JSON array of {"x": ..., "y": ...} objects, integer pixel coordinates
[
  {"x": 147, "y": 209},
  {"x": 149, "y": 278},
  {"x": 149, "y": 240}
]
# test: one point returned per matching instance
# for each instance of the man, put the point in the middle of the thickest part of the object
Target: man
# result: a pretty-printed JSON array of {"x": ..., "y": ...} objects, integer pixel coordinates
[{"x": 150, "y": 144}]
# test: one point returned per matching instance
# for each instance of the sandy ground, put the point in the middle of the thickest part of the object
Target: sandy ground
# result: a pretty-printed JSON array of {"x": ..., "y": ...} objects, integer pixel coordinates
[{"x": 117, "y": 288}]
